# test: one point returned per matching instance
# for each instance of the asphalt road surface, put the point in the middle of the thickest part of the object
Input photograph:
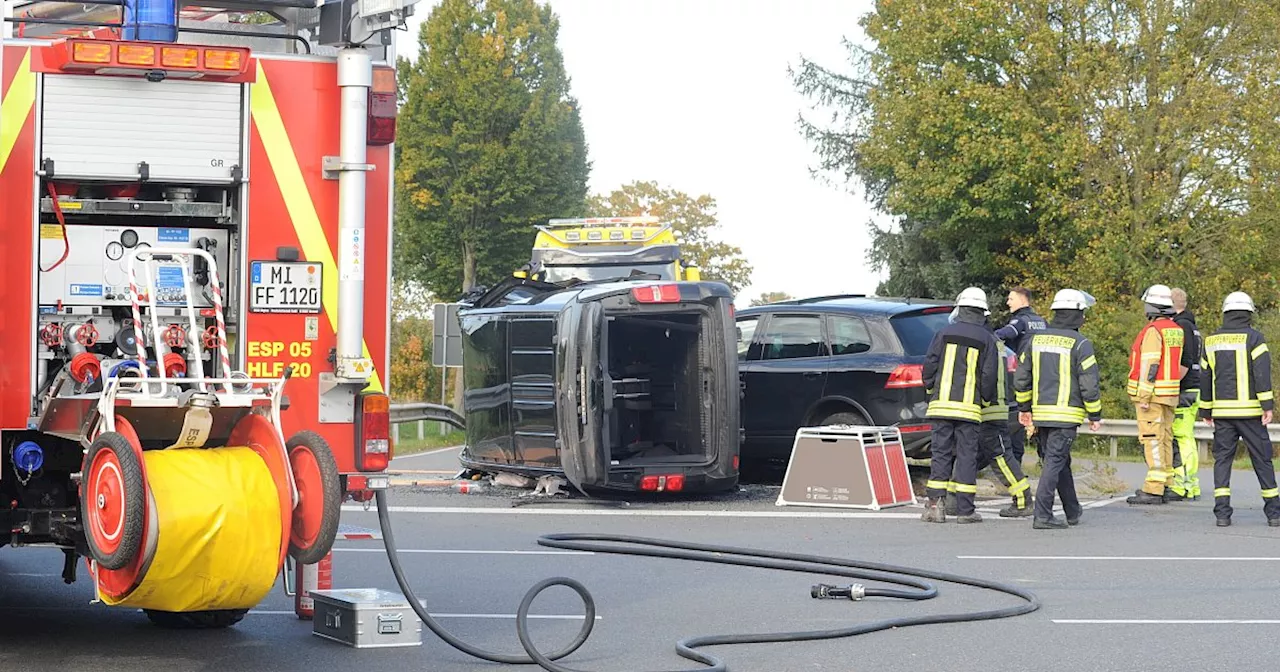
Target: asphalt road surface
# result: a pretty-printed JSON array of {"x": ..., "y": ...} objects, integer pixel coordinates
[{"x": 1129, "y": 589}]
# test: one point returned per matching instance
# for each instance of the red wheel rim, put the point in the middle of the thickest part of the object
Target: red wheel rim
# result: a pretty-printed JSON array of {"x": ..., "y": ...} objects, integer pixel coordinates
[
  {"x": 106, "y": 500},
  {"x": 256, "y": 432},
  {"x": 117, "y": 583},
  {"x": 310, "y": 513}
]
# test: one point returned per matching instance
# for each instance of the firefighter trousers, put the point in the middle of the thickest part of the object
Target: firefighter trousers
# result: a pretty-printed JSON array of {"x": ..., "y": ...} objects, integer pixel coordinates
[
  {"x": 997, "y": 453},
  {"x": 1056, "y": 475},
  {"x": 1225, "y": 435},
  {"x": 1186, "y": 463},
  {"x": 1155, "y": 433},
  {"x": 954, "y": 448},
  {"x": 1018, "y": 439}
]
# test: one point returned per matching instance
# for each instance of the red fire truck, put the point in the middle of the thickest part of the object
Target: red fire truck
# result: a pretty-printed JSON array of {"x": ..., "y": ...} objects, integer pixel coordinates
[{"x": 194, "y": 290}]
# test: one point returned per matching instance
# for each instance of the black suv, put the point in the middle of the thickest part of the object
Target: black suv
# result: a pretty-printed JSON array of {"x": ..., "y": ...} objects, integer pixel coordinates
[{"x": 834, "y": 360}]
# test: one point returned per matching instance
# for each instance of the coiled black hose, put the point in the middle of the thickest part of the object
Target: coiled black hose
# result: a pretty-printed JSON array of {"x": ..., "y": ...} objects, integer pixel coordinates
[{"x": 916, "y": 589}]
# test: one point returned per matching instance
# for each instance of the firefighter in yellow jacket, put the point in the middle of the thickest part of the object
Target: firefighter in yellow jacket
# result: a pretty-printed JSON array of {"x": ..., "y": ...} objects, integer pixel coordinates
[
  {"x": 960, "y": 375},
  {"x": 1237, "y": 399},
  {"x": 1057, "y": 390},
  {"x": 1155, "y": 376}
]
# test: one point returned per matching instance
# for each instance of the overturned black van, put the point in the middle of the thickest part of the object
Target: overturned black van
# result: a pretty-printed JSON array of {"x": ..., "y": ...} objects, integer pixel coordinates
[{"x": 619, "y": 385}]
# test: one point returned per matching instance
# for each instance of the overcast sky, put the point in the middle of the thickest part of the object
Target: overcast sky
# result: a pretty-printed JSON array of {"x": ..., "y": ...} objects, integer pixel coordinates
[{"x": 695, "y": 95}]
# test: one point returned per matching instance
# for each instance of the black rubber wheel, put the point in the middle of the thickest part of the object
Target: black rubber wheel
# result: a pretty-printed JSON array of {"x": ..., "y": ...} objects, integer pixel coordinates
[
  {"x": 113, "y": 486},
  {"x": 310, "y": 452},
  {"x": 845, "y": 418},
  {"x": 196, "y": 620}
]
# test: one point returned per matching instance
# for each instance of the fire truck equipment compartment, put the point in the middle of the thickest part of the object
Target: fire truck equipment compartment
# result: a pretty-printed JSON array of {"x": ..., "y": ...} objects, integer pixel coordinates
[{"x": 217, "y": 517}]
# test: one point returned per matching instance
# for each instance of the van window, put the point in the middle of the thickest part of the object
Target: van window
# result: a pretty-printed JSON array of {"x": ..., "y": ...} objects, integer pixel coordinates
[
  {"x": 849, "y": 335},
  {"x": 794, "y": 336},
  {"x": 746, "y": 332}
]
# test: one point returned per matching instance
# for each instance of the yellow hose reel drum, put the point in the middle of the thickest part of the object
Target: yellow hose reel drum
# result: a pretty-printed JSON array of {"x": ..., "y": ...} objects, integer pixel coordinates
[{"x": 196, "y": 536}]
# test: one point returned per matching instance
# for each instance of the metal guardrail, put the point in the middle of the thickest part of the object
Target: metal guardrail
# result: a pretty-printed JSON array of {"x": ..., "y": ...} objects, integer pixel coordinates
[
  {"x": 426, "y": 412},
  {"x": 1117, "y": 429}
]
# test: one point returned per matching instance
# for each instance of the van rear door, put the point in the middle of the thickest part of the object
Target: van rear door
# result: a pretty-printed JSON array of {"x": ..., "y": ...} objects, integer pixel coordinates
[{"x": 580, "y": 396}]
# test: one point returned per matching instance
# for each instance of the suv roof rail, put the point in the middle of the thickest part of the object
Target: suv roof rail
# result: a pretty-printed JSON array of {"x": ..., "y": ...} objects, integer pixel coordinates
[{"x": 815, "y": 299}]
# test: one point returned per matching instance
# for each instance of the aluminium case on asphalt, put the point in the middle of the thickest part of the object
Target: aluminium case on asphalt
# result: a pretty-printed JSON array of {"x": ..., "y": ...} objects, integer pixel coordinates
[
  {"x": 531, "y": 411},
  {"x": 365, "y": 618}
]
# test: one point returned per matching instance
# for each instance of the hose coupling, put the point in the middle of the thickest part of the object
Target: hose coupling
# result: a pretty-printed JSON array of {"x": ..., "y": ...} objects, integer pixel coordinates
[{"x": 824, "y": 591}]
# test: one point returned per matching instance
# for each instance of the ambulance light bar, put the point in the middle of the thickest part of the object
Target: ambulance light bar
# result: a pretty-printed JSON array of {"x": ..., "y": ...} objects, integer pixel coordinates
[{"x": 107, "y": 57}]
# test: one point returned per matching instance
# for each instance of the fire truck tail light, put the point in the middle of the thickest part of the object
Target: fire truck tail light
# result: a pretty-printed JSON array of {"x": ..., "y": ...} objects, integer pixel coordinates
[
  {"x": 222, "y": 59},
  {"x": 176, "y": 57},
  {"x": 85, "y": 52},
  {"x": 137, "y": 54},
  {"x": 656, "y": 294},
  {"x": 384, "y": 80},
  {"x": 373, "y": 432},
  {"x": 383, "y": 108},
  {"x": 382, "y": 119}
]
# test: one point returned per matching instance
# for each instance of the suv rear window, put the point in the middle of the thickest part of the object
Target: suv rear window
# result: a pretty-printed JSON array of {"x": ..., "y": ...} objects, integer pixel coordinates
[{"x": 916, "y": 330}]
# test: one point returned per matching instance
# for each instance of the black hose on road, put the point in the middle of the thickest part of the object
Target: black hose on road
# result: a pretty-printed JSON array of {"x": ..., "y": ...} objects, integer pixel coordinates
[{"x": 912, "y": 589}]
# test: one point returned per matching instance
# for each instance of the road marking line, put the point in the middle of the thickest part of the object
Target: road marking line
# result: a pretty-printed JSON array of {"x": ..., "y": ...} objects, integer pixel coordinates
[
  {"x": 646, "y": 513},
  {"x": 457, "y": 551},
  {"x": 654, "y": 513},
  {"x": 1153, "y": 621},
  {"x": 1099, "y": 503},
  {"x": 540, "y": 617},
  {"x": 1118, "y": 557}
]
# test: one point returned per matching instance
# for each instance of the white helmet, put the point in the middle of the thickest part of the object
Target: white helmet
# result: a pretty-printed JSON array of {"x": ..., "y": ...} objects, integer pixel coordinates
[
  {"x": 973, "y": 297},
  {"x": 1158, "y": 295},
  {"x": 1071, "y": 299},
  {"x": 1238, "y": 301}
]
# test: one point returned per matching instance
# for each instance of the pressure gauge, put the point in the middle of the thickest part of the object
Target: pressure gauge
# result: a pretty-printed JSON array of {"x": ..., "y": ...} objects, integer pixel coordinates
[
  {"x": 129, "y": 238},
  {"x": 115, "y": 251}
]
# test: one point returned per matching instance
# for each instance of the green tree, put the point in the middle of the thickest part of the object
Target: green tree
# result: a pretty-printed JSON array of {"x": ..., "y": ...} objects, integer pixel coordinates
[
  {"x": 693, "y": 220},
  {"x": 770, "y": 297},
  {"x": 490, "y": 143},
  {"x": 1050, "y": 143}
]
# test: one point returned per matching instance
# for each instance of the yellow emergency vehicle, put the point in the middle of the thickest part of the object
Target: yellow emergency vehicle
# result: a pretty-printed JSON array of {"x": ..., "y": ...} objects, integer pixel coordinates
[{"x": 598, "y": 248}]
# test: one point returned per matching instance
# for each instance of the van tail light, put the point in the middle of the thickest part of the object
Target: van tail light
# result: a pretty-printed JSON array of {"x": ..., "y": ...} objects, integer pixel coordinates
[
  {"x": 656, "y": 294},
  {"x": 382, "y": 108},
  {"x": 664, "y": 483},
  {"x": 906, "y": 375},
  {"x": 373, "y": 432}
]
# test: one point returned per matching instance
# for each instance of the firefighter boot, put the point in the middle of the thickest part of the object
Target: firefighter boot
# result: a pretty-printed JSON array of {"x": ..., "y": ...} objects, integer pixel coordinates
[
  {"x": 951, "y": 508},
  {"x": 1054, "y": 523},
  {"x": 974, "y": 517},
  {"x": 933, "y": 512},
  {"x": 1145, "y": 498},
  {"x": 1015, "y": 511}
]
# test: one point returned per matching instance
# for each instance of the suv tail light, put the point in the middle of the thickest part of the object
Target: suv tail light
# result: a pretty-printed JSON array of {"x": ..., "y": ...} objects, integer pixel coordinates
[
  {"x": 656, "y": 294},
  {"x": 906, "y": 375},
  {"x": 373, "y": 432},
  {"x": 382, "y": 108}
]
